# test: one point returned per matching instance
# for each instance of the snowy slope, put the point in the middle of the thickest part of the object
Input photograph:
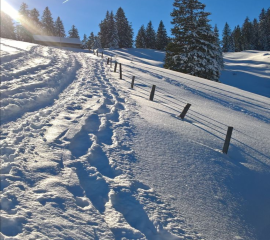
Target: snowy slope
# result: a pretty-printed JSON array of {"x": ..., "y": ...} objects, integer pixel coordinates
[
  {"x": 248, "y": 70},
  {"x": 83, "y": 156}
]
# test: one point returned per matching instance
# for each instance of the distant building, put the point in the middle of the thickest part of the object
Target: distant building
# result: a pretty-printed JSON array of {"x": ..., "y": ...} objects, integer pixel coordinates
[{"x": 57, "y": 41}]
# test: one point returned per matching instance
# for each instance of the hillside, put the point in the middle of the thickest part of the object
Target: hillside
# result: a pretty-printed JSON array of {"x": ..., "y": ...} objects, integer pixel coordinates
[{"x": 84, "y": 156}]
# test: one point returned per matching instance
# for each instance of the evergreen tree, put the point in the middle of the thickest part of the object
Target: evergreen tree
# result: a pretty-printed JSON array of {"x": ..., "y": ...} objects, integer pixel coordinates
[
  {"x": 113, "y": 33},
  {"x": 161, "y": 38},
  {"x": 84, "y": 42},
  {"x": 91, "y": 41},
  {"x": 47, "y": 22},
  {"x": 73, "y": 32},
  {"x": 237, "y": 39},
  {"x": 263, "y": 31},
  {"x": 140, "y": 41},
  {"x": 35, "y": 23},
  {"x": 255, "y": 39},
  {"x": 227, "y": 40},
  {"x": 124, "y": 29},
  {"x": 193, "y": 49},
  {"x": 7, "y": 27},
  {"x": 219, "y": 55},
  {"x": 97, "y": 43},
  {"x": 247, "y": 35},
  {"x": 150, "y": 36},
  {"x": 104, "y": 31},
  {"x": 59, "y": 28},
  {"x": 23, "y": 28}
]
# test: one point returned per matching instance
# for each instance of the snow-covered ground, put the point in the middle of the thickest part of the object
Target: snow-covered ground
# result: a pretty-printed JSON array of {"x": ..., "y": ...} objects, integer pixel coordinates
[
  {"x": 84, "y": 156},
  {"x": 248, "y": 70}
]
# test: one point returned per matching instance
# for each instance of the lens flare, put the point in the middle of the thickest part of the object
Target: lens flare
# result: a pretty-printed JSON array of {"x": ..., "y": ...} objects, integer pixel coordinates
[{"x": 9, "y": 10}]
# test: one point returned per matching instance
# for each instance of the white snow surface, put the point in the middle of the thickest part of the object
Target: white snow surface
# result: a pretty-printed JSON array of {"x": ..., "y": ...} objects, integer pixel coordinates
[
  {"x": 84, "y": 156},
  {"x": 56, "y": 39}
]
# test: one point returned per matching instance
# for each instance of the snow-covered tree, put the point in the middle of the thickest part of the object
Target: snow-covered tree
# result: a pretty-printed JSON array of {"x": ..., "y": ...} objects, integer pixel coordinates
[
  {"x": 162, "y": 37},
  {"x": 23, "y": 28},
  {"x": 73, "y": 32},
  {"x": 193, "y": 49},
  {"x": 125, "y": 31},
  {"x": 113, "y": 33},
  {"x": 84, "y": 42},
  {"x": 91, "y": 40},
  {"x": 141, "y": 38},
  {"x": 227, "y": 40},
  {"x": 150, "y": 36},
  {"x": 97, "y": 43},
  {"x": 104, "y": 31},
  {"x": 34, "y": 21},
  {"x": 59, "y": 28},
  {"x": 7, "y": 27},
  {"x": 47, "y": 22}
]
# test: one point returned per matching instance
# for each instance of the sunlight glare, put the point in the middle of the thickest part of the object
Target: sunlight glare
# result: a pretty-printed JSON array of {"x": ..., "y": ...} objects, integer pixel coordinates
[{"x": 5, "y": 7}]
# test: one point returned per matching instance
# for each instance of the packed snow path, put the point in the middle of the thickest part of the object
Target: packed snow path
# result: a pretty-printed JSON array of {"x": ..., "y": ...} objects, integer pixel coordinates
[
  {"x": 83, "y": 156},
  {"x": 65, "y": 171}
]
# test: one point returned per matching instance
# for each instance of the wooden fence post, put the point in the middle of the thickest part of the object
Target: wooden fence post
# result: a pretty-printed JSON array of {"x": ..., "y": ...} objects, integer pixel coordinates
[
  {"x": 132, "y": 82},
  {"x": 102, "y": 54},
  {"x": 108, "y": 61},
  {"x": 115, "y": 66},
  {"x": 111, "y": 62},
  {"x": 120, "y": 68},
  {"x": 184, "y": 112},
  {"x": 152, "y": 93},
  {"x": 227, "y": 140}
]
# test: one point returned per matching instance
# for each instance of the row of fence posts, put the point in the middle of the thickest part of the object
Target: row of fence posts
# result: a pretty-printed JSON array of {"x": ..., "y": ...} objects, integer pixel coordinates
[{"x": 183, "y": 113}]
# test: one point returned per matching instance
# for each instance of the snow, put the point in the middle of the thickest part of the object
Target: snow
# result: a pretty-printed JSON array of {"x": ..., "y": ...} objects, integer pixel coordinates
[
  {"x": 248, "y": 70},
  {"x": 84, "y": 156},
  {"x": 57, "y": 39}
]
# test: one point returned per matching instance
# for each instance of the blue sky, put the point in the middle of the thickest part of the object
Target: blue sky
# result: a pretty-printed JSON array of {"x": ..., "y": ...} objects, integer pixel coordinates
[{"x": 87, "y": 14}]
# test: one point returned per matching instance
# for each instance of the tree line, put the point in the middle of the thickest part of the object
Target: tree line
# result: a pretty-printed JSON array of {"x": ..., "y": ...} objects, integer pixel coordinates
[
  {"x": 31, "y": 23},
  {"x": 253, "y": 35}
]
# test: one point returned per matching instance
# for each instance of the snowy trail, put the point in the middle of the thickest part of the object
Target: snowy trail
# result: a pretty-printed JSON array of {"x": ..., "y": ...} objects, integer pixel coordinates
[{"x": 65, "y": 156}]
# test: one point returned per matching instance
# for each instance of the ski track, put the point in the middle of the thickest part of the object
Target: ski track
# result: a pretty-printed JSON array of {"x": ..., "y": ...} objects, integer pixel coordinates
[{"x": 76, "y": 134}]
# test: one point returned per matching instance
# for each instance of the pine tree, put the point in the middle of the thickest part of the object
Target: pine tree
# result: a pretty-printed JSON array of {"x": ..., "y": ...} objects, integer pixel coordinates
[
  {"x": 237, "y": 39},
  {"x": 34, "y": 21},
  {"x": 59, "y": 28},
  {"x": 247, "y": 35},
  {"x": 227, "y": 40},
  {"x": 150, "y": 36},
  {"x": 73, "y": 32},
  {"x": 104, "y": 31},
  {"x": 219, "y": 55},
  {"x": 193, "y": 49},
  {"x": 255, "y": 39},
  {"x": 263, "y": 31},
  {"x": 113, "y": 33},
  {"x": 23, "y": 28},
  {"x": 161, "y": 38},
  {"x": 124, "y": 29},
  {"x": 97, "y": 43},
  {"x": 7, "y": 27},
  {"x": 84, "y": 42},
  {"x": 47, "y": 22},
  {"x": 91, "y": 41},
  {"x": 140, "y": 41}
]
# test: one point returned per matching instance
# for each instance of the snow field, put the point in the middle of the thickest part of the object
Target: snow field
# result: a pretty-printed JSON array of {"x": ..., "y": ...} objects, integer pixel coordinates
[{"x": 65, "y": 156}]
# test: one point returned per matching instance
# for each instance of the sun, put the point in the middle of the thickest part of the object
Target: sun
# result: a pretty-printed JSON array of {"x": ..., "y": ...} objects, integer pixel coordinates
[{"x": 9, "y": 10}]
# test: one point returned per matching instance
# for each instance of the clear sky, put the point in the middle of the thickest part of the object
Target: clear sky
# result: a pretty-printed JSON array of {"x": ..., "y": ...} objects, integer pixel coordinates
[{"x": 87, "y": 14}]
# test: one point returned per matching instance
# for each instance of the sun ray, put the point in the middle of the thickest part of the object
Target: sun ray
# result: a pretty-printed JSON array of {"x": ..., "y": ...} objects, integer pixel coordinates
[{"x": 9, "y": 10}]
